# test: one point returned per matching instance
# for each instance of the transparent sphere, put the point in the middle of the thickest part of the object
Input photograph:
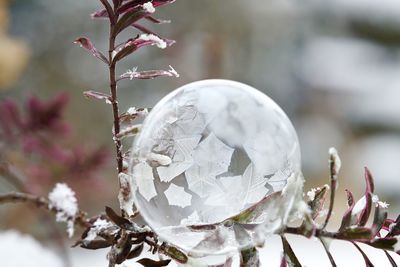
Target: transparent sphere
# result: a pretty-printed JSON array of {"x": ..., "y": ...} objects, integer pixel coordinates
[{"x": 208, "y": 153}]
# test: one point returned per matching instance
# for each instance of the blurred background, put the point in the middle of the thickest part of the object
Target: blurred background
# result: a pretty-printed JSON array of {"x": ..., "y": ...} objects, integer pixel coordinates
[{"x": 334, "y": 67}]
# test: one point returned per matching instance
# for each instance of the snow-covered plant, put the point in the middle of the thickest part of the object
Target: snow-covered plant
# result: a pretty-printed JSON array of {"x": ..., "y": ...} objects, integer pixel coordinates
[{"x": 120, "y": 232}]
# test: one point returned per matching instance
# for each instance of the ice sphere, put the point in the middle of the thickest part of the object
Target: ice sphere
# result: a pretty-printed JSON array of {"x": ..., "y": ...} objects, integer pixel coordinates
[{"x": 208, "y": 158}]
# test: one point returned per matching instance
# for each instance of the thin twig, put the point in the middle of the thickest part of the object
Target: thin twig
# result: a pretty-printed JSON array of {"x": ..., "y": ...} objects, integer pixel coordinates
[{"x": 41, "y": 202}]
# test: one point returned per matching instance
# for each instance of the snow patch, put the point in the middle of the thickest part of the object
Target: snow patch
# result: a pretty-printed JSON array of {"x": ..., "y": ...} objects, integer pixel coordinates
[
  {"x": 23, "y": 250},
  {"x": 157, "y": 40},
  {"x": 148, "y": 7},
  {"x": 63, "y": 199}
]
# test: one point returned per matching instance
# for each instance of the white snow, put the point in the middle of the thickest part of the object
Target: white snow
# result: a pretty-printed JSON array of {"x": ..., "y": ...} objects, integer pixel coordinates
[
  {"x": 63, "y": 199},
  {"x": 149, "y": 7},
  {"x": 359, "y": 206},
  {"x": 157, "y": 40},
  {"x": 96, "y": 228},
  {"x": 125, "y": 195},
  {"x": 311, "y": 194},
  {"x": 336, "y": 159},
  {"x": 19, "y": 250}
]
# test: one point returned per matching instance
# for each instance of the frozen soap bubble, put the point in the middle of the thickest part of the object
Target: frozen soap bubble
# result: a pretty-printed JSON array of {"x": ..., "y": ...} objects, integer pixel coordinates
[{"x": 208, "y": 158}]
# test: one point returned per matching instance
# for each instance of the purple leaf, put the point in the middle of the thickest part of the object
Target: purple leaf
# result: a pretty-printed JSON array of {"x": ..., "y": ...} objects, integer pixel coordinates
[
  {"x": 129, "y": 18},
  {"x": 364, "y": 216},
  {"x": 369, "y": 189},
  {"x": 118, "y": 220},
  {"x": 108, "y": 7},
  {"x": 96, "y": 244},
  {"x": 149, "y": 74},
  {"x": 100, "y": 14},
  {"x": 145, "y": 30},
  {"x": 289, "y": 255},
  {"x": 88, "y": 45},
  {"x": 369, "y": 181},
  {"x": 135, "y": 252},
  {"x": 157, "y": 21},
  {"x": 117, "y": 2},
  {"x": 391, "y": 260},
  {"x": 97, "y": 95},
  {"x": 346, "y": 220},
  {"x": 132, "y": 45},
  {"x": 283, "y": 262},
  {"x": 151, "y": 263},
  {"x": 368, "y": 263}
]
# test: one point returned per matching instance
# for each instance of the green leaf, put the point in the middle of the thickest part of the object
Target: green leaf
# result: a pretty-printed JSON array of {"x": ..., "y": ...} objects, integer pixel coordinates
[
  {"x": 176, "y": 254},
  {"x": 384, "y": 243},
  {"x": 249, "y": 257},
  {"x": 356, "y": 233}
]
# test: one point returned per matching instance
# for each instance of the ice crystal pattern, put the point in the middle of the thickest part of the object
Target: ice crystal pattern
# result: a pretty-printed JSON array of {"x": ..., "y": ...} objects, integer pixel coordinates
[{"x": 207, "y": 152}]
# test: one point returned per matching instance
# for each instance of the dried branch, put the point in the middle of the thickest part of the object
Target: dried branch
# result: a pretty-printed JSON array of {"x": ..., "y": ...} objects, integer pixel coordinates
[{"x": 42, "y": 203}]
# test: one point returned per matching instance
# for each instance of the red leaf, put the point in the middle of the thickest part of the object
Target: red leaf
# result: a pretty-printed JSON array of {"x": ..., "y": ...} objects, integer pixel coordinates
[
  {"x": 132, "y": 45},
  {"x": 130, "y": 17},
  {"x": 100, "y": 14},
  {"x": 369, "y": 181},
  {"x": 369, "y": 189},
  {"x": 346, "y": 220},
  {"x": 108, "y": 7},
  {"x": 157, "y": 21},
  {"x": 88, "y": 45},
  {"x": 149, "y": 74}
]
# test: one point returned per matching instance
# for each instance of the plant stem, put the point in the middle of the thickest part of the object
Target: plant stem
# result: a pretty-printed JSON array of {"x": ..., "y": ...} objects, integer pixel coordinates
[
  {"x": 114, "y": 97},
  {"x": 41, "y": 202}
]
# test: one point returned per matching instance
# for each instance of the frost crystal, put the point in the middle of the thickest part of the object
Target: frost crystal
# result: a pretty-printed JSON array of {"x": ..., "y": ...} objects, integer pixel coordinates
[
  {"x": 177, "y": 196},
  {"x": 157, "y": 40},
  {"x": 63, "y": 199},
  {"x": 173, "y": 71},
  {"x": 143, "y": 175}
]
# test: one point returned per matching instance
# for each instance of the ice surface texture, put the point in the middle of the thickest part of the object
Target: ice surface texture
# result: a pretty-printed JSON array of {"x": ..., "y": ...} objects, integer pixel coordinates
[{"x": 207, "y": 152}]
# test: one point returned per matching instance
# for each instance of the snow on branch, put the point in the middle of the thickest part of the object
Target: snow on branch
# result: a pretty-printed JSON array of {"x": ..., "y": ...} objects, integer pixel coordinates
[{"x": 63, "y": 199}]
